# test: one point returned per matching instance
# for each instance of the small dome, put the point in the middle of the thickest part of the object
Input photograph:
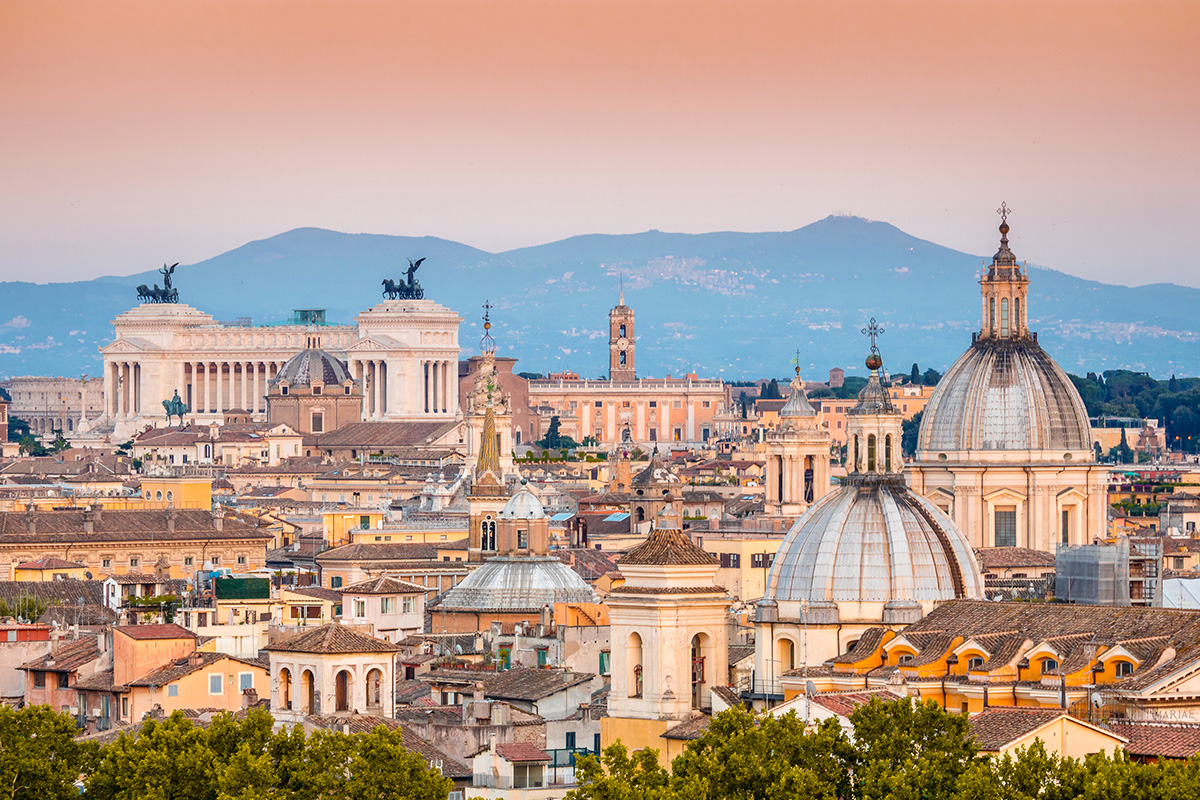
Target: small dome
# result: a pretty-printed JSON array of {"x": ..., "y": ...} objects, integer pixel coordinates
[
  {"x": 511, "y": 583},
  {"x": 872, "y": 540},
  {"x": 797, "y": 404},
  {"x": 1004, "y": 394},
  {"x": 523, "y": 505},
  {"x": 312, "y": 365}
]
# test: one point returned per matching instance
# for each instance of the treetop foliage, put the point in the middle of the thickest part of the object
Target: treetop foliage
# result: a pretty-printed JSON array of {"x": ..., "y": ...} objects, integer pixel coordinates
[
  {"x": 899, "y": 751},
  {"x": 232, "y": 759}
]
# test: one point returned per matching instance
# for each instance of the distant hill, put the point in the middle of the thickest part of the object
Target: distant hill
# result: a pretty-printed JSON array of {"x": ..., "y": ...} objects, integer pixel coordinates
[{"x": 729, "y": 305}]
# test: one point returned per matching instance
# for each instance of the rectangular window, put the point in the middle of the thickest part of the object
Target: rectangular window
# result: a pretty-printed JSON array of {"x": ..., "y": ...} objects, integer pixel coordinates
[
  {"x": 360, "y": 608},
  {"x": 654, "y": 404},
  {"x": 1066, "y": 526},
  {"x": 173, "y": 690},
  {"x": 63, "y": 679},
  {"x": 410, "y": 605},
  {"x": 707, "y": 403},
  {"x": 106, "y": 563},
  {"x": 522, "y": 540},
  {"x": 316, "y": 388},
  {"x": 335, "y": 582},
  {"x": 364, "y": 522},
  {"x": 124, "y": 706},
  {"x": 245, "y": 681},
  {"x": 677, "y": 404},
  {"x": 241, "y": 561},
  {"x": 39, "y": 680},
  {"x": 724, "y": 558},
  {"x": 318, "y": 422},
  {"x": 735, "y": 560},
  {"x": 543, "y": 656},
  {"x": 215, "y": 684},
  {"x": 133, "y": 562},
  {"x": 1006, "y": 527},
  {"x": 387, "y": 605},
  {"x": 757, "y": 560},
  {"x": 216, "y": 560},
  {"x": 653, "y": 435},
  {"x": 570, "y": 740},
  {"x": 604, "y": 658},
  {"x": 188, "y": 561},
  {"x": 599, "y": 404}
]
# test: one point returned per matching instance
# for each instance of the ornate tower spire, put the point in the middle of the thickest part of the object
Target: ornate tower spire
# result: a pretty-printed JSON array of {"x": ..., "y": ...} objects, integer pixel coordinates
[
  {"x": 874, "y": 425},
  {"x": 621, "y": 341},
  {"x": 489, "y": 478},
  {"x": 1005, "y": 289}
]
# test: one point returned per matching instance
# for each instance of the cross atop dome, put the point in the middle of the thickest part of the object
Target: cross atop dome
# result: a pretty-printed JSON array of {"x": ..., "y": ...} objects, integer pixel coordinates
[{"x": 1005, "y": 289}]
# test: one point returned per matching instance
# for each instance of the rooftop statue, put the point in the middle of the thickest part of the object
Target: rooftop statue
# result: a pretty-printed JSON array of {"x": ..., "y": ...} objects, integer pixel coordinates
[
  {"x": 410, "y": 290},
  {"x": 167, "y": 294}
]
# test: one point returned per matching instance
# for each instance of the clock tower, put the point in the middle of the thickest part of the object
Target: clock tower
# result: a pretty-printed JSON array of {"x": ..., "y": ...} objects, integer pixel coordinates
[{"x": 620, "y": 342}]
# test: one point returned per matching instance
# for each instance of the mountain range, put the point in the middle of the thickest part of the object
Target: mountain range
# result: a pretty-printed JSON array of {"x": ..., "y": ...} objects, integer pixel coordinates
[{"x": 728, "y": 305}]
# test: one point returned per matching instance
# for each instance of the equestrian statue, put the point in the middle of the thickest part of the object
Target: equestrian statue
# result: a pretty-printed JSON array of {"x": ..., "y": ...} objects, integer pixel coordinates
[
  {"x": 175, "y": 407},
  {"x": 410, "y": 290}
]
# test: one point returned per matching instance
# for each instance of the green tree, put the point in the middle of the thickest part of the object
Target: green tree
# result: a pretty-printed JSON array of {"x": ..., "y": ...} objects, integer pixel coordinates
[
  {"x": 30, "y": 445},
  {"x": 773, "y": 392},
  {"x": 910, "y": 429},
  {"x": 907, "y": 749},
  {"x": 383, "y": 769},
  {"x": 615, "y": 775},
  {"x": 915, "y": 376},
  {"x": 931, "y": 377},
  {"x": 168, "y": 760},
  {"x": 18, "y": 429},
  {"x": 39, "y": 756},
  {"x": 60, "y": 442},
  {"x": 1122, "y": 453},
  {"x": 25, "y": 609},
  {"x": 550, "y": 440}
]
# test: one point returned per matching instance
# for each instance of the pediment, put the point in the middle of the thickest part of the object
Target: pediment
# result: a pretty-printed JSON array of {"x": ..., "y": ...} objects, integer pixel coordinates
[
  {"x": 121, "y": 346},
  {"x": 372, "y": 344},
  {"x": 1004, "y": 496}
]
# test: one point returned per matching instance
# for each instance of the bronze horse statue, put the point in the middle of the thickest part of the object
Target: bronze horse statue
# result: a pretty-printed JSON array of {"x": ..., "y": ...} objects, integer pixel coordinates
[
  {"x": 405, "y": 290},
  {"x": 175, "y": 407}
]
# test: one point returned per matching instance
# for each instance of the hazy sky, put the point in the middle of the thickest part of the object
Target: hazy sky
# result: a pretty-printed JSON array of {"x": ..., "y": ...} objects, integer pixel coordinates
[{"x": 133, "y": 133}]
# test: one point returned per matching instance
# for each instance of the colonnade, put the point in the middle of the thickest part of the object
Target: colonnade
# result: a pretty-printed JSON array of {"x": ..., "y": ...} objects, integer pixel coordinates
[
  {"x": 372, "y": 376},
  {"x": 207, "y": 387},
  {"x": 435, "y": 381}
]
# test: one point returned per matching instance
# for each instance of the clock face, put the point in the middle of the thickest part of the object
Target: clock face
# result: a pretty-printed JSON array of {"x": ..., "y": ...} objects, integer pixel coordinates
[{"x": 622, "y": 343}]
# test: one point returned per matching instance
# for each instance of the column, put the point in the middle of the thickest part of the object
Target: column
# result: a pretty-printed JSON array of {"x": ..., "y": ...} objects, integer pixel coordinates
[
  {"x": 257, "y": 391},
  {"x": 199, "y": 376},
  {"x": 383, "y": 388},
  {"x": 425, "y": 384},
  {"x": 245, "y": 386},
  {"x": 433, "y": 380},
  {"x": 115, "y": 403},
  {"x": 445, "y": 387},
  {"x": 376, "y": 371},
  {"x": 220, "y": 368}
]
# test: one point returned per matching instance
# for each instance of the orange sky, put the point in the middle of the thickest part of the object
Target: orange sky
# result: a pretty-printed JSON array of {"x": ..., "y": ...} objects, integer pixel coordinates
[{"x": 138, "y": 132}]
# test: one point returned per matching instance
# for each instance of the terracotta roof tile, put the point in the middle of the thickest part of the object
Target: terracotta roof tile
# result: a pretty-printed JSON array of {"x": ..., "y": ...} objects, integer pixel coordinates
[
  {"x": 690, "y": 729},
  {"x": 384, "y": 584},
  {"x": 667, "y": 547},
  {"x": 997, "y": 727},
  {"x": 1003, "y": 557},
  {"x": 844, "y": 703},
  {"x": 521, "y": 751},
  {"x": 333, "y": 638},
  {"x": 1160, "y": 739},
  {"x": 161, "y": 631},
  {"x": 50, "y": 562},
  {"x": 67, "y": 657}
]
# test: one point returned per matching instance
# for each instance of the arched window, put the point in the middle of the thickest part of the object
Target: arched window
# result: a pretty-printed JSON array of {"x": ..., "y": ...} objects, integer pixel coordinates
[
  {"x": 991, "y": 314},
  {"x": 622, "y": 329},
  {"x": 374, "y": 688},
  {"x": 856, "y": 462},
  {"x": 285, "y": 689},
  {"x": 1123, "y": 669},
  {"x": 887, "y": 453},
  {"x": 1049, "y": 665},
  {"x": 622, "y": 358},
  {"x": 633, "y": 654},
  {"x": 1017, "y": 315},
  {"x": 974, "y": 663},
  {"x": 487, "y": 534},
  {"x": 701, "y": 644},
  {"x": 1004, "y": 316},
  {"x": 871, "y": 453},
  {"x": 342, "y": 691},
  {"x": 787, "y": 655}
]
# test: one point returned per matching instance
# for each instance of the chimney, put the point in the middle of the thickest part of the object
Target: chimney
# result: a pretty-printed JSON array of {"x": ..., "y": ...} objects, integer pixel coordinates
[
  {"x": 172, "y": 514},
  {"x": 89, "y": 520},
  {"x": 218, "y": 518},
  {"x": 249, "y": 697},
  {"x": 31, "y": 517}
]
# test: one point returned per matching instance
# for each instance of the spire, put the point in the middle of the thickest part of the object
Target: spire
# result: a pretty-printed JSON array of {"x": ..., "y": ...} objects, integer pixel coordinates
[
  {"x": 488, "y": 478},
  {"x": 873, "y": 399},
  {"x": 622, "y": 301},
  {"x": 797, "y": 404},
  {"x": 1005, "y": 290},
  {"x": 486, "y": 343},
  {"x": 489, "y": 455}
]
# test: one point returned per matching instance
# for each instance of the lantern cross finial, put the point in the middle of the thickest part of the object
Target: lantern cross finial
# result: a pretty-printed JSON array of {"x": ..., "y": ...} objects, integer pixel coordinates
[
  {"x": 1003, "y": 211},
  {"x": 872, "y": 332}
]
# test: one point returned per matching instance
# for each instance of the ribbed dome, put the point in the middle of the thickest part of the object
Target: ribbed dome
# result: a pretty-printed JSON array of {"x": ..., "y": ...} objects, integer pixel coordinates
[
  {"x": 313, "y": 364},
  {"x": 872, "y": 540},
  {"x": 519, "y": 582},
  {"x": 797, "y": 404},
  {"x": 1004, "y": 394},
  {"x": 523, "y": 505}
]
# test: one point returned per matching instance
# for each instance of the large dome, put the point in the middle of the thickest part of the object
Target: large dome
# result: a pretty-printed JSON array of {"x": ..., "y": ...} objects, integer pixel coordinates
[
  {"x": 873, "y": 541},
  {"x": 1004, "y": 394},
  {"x": 518, "y": 583},
  {"x": 311, "y": 365}
]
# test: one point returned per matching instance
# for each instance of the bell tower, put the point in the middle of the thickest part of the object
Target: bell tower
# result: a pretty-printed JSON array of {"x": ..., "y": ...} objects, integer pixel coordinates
[
  {"x": 1005, "y": 289},
  {"x": 620, "y": 342},
  {"x": 797, "y": 456}
]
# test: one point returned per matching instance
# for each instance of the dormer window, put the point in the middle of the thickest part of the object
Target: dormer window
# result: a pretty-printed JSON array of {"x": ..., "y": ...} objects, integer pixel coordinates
[
  {"x": 283, "y": 389},
  {"x": 347, "y": 388},
  {"x": 316, "y": 389},
  {"x": 974, "y": 663}
]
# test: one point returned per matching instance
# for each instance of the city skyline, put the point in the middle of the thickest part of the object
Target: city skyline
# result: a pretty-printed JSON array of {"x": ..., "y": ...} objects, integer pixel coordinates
[{"x": 144, "y": 132}]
